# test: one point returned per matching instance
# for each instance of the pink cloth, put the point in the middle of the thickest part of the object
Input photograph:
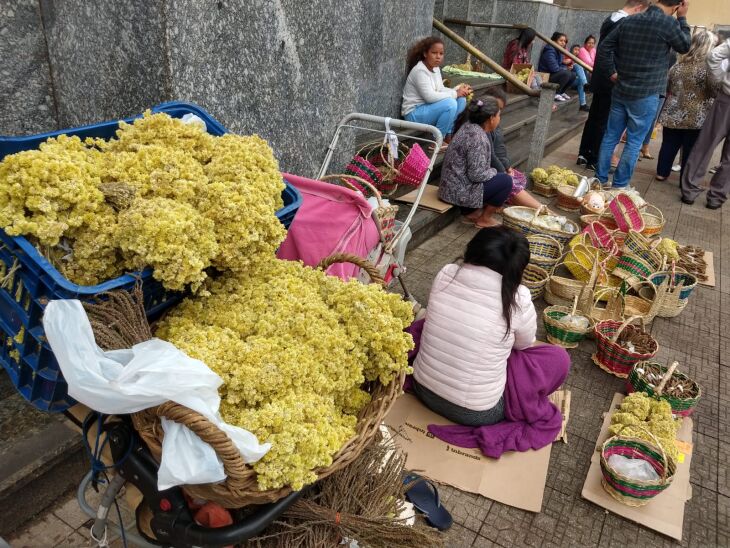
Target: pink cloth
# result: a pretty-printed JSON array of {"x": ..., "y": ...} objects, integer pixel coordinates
[
  {"x": 531, "y": 420},
  {"x": 588, "y": 57},
  {"x": 331, "y": 219}
]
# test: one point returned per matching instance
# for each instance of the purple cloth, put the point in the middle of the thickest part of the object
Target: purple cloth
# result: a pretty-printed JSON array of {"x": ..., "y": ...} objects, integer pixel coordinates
[{"x": 531, "y": 420}]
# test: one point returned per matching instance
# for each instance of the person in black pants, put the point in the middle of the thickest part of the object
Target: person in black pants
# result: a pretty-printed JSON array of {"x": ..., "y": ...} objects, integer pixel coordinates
[
  {"x": 551, "y": 61},
  {"x": 602, "y": 88}
]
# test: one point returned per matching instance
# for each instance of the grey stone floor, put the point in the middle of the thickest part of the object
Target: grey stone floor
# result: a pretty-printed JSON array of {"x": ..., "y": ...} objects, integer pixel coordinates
[{"x": 698, "y": 339}]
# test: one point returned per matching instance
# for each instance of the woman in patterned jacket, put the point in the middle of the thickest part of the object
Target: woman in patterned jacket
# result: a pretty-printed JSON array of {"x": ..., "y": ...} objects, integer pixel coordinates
[{"x": 690, "y": 94}]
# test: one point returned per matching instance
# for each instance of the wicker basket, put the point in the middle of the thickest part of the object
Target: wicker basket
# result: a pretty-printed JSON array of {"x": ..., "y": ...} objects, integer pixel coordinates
[
  {"x": 611, "y": 356},
  {"x": 560, "y": 333},
  {"x": 606, "y": 219},
  {"x": 629, "y": 491},
  {"x": 566, "y": 201},
  {"x": 674, "y": 289},
  {"x": 627, "y": 215},
  {"x": 647, "y": 301},
  {"x": 638, "y": 244},
  {"x": 601, "y": 237},
  {"x": 511, "y": 218},
  {"x": 637, "y": 382},
  {"x": 544, "y": 189},
  {"x": 633, "y": 267},
  {"x": 240, "y": 488},
  {"x": 535, "y": 278},
  {"x": 545, "y": 251},
  {"x": 654, "y": 220}
]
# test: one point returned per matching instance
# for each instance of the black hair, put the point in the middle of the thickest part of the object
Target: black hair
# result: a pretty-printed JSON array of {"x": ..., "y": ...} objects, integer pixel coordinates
[
  {"x": 498, "y": 93},
  {"x": 670, "y": 3},
  {"x": 573, "y": 47},
  {"x": 477, "y": 112},
  {"x": 557, "y": 35},
  {"x": 505, "y": 251},
  {"x": 526, "y": 37},
  {"x": 589, "y": 37},
  {"x": 419, "y": 49}
]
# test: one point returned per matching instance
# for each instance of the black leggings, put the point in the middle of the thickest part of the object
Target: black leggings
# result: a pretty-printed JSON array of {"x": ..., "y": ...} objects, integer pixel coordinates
[
  {"x": 564, "y": 79},
  {"x": 496, "y": 191},
  {"x": 674, "y": 140}
]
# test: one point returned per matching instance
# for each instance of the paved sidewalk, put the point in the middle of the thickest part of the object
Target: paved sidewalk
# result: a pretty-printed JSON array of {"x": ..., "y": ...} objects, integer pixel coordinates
[{"x": 698, "y": 339}]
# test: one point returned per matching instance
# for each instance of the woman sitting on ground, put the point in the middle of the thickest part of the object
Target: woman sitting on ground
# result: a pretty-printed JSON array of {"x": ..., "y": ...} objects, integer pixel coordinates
[
  {"x": 690, "y": 95},
  {"x": 468, "y": 179},
  {"x": 551, "y": 61},
  {"x": 425, "y": 99},
  {"x": 478, "y": 313},
  {"x": 517, "y": 51},
  {"x": 587, "y": 53}
]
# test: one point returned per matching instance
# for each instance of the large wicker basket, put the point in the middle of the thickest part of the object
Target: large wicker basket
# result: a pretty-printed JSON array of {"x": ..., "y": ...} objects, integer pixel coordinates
[{"x": 240, "y": 487}]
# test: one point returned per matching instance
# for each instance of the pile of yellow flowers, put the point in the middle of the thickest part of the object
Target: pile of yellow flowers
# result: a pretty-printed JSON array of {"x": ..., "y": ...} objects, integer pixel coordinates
[
  {"x": 554, "y": 176},
  {"x": 293, "y": 347},
  {"x": 162, "y": 193},
  {"x": 639, "y": 413}
]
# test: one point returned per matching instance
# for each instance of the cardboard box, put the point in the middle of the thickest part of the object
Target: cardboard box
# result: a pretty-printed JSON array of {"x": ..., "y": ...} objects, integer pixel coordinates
[
  {"x": 665, "y": 512},
  {"x": 515, "y": 69}
]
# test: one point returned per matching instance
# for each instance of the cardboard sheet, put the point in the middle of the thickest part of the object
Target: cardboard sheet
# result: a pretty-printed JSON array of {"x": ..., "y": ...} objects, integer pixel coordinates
[
  {"x": 429, "y": 200},
  {"x": 710, "y": 272},
  {"x": 516, "y": 479},
  {"x": 665, "y": 512}
]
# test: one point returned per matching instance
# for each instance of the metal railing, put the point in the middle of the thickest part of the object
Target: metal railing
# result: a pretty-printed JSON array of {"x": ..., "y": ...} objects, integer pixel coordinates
[
  {"x": 541, "y": 36},
  {"x": 496, "y": 67}
]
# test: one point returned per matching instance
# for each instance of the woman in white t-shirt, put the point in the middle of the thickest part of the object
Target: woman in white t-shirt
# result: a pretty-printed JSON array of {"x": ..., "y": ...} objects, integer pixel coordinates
[{"x": 425, "y": 98}]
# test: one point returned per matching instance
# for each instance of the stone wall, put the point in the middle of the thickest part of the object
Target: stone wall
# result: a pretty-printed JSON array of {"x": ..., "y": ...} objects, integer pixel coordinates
[{"x": 286, "y": 69}]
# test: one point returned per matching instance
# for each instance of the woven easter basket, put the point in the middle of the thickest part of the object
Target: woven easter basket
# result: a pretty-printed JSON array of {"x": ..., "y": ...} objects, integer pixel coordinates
[
  {"x": 566, "y": 201},
  {"x": 642, "y": 299},
  {"x": 630, "y": 267},
  {"x": 544, "y": 189},
  {"x": 644, "y": 375},
  {"x": 545, "y": 251},
  {"x": 560, "y": 333},
  {"x": 654, "y": 220},
  {"x": 674, "y": 287},
  {"x": 605, "y": 219},
  {"x": 638, "y": 244},
  {"x": 414, "y": 167},
  {"x": 384, "y": 214},
  {"x": 602, "y": 237},
  {"x": 614, "y": 358},
  {"x": 511, "y": 217},
  {"x": 240, "y": 487},
  {"x": 630, "y": 491},
  {"x": 535, "y": 278},
  {"x": 627, "y": 215}
]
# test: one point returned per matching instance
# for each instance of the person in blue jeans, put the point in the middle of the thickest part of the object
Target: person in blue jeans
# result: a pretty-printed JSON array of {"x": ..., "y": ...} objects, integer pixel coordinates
[
  {"x": 636, "y": 56},
  {"x": 581, "y": 80},
  {"x": 425, "y": 98}
]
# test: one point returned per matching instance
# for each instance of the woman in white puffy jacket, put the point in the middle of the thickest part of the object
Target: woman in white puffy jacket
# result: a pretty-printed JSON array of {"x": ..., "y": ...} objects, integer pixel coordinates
[{"x": 477, "y": 314}]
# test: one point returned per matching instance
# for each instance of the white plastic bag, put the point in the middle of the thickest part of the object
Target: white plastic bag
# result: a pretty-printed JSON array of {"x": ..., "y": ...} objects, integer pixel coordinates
[
  {"x": 637, "y": 469},
  {"x": 146, "y": 375}
]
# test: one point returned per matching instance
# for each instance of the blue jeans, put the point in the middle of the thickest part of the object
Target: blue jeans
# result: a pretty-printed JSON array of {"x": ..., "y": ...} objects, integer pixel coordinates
[
  {"x": 441, "y": 114},
  {"x": 580, "y": 83},
  {"x": 635, "y": 116},
  {"x": 647, "y": 139}
]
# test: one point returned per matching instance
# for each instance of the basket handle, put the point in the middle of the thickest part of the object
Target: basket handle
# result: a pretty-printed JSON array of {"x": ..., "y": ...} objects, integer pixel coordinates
[
  {"x": 538, "y": 211},
  {"x": 375, "y": 276},
  {"x": 665, "y": 379},
  {"x": 621, "y": 328},
  {"x": 344, "y": 176},
  {"x": 659, "y": 446}
]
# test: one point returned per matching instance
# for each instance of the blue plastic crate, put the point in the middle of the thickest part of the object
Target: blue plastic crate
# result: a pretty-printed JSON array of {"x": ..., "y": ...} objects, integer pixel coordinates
[{"x": 30, "y": 281}]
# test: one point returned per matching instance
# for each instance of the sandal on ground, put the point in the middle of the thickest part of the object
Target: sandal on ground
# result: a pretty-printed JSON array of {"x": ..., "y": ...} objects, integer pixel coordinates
[
  {"x": 487, "y": 226},
  {"x": 645, "y": 156},
  {"x": 425, "y": 498},
  {"x": 660, "y": 178}
]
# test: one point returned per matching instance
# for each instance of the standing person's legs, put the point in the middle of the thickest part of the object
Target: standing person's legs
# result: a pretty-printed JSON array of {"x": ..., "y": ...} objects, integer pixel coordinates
[
  {"x": 595, "y": 127},
  {"x": 580, "y": 83},
  {"x": 640, "y": 114},
  {"x": 441, "y": 114},
  {"x": 689, "y": 138},
  {"x": 720, "y": 183},
  {"x": 671, "y": 143},
  {"x": 617, "y": 120},
  {"x": 714, "y": 130},
  {"x": 647, "y": 137}
]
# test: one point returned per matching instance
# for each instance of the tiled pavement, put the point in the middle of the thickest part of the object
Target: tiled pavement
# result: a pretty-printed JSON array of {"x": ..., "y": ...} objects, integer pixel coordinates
[{"x": 699, "y": 339}]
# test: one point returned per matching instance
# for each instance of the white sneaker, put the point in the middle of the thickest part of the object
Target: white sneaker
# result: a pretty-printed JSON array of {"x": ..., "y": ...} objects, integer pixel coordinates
[
  {"x": 560, "y": 98},
  {"x": 677, "y": 167},
  {"x": 566, "y": 96}
]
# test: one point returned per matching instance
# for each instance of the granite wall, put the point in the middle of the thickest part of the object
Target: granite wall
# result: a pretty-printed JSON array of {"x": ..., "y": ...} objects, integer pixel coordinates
[
  {"x": 26, "y": 91},
  {"x": 286, "y": 69}
]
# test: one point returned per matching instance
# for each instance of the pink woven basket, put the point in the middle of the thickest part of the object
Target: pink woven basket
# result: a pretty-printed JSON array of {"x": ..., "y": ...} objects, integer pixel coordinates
[
  {"x": 413, "y": 167},
  {"x": 627, "y": 215},
  {"x": 360, "y": 167},
  {"x": 602, "y": 237}
]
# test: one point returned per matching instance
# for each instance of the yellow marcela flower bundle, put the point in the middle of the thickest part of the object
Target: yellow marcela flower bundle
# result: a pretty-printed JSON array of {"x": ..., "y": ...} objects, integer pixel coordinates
[
  {"x": 162, "y": 193},
  {"x": 293, "y": 347}
]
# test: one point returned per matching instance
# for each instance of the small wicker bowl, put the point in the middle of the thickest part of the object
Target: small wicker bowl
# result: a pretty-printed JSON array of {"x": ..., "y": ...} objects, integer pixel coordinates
[{"x": 535, "y": 278}]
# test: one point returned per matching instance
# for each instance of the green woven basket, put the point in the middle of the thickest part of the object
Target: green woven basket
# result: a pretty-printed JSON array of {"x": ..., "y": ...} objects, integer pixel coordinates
[
  {"x": 637, "y": 382},
  {"x": 558, "y": 332}
]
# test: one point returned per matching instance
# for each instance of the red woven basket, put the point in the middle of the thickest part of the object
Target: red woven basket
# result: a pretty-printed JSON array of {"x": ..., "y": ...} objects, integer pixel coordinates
[
  {"x": 602, "y": 237},
  {"x": 360, "y": 167},
  {"x": 611, "y": 356},
  {"x": 413, "y": 168},
  {"x": 627, "y": 215}
]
